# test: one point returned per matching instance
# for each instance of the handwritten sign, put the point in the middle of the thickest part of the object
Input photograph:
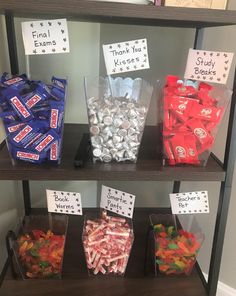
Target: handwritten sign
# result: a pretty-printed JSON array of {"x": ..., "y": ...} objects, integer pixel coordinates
[
  {"x": 45, "y": 37},
  {"x": 117, "y": 201},
  {"x": 190, "y": 202},
  {"x": 126, "y": 56},
  {"x": 209, "y": 66},
  {"x": 63, "y": 202},
  {"x": 189, "y": 3}
]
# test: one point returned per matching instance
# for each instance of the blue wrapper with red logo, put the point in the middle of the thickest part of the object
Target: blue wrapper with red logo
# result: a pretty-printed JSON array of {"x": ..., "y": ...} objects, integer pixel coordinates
[
  {"x": 33, "y": 113},
  {"x": 56, "y": 116},
  {"x": 15, "y": 82},
  {"x": 19, "y": 106},
  {"x": 54, "y": 152},
  {"x": 27, "y": 155},
  {"x": 34, "y": 99},
  {"x": 44, "y": 143},
  {"x": 26, "y": 134},
  {"x": 14, "y": 126}
]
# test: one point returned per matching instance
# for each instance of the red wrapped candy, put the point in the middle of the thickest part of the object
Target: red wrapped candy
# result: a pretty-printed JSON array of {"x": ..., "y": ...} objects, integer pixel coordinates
[
  {"x": 107, "y": 244},
  {"x": 191, "y": 115}
]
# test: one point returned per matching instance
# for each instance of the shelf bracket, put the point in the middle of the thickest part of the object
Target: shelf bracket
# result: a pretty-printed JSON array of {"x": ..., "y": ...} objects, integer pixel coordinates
[
  {"x": 26, "y": 195},
  {"x": 11, "y": 39},
  {"x": 224, "y": 200}
]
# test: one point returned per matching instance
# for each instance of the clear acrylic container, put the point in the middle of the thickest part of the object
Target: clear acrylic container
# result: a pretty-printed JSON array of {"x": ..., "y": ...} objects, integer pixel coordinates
[
  {"x": 117, "y": 110},
  {"x": 38, "y": 137},
  {"x": 191, "y": 115},
  {"x": 176, "y": 248},
  {"x": 38, "y": 249},
  {"x": 107, "y": 242}
]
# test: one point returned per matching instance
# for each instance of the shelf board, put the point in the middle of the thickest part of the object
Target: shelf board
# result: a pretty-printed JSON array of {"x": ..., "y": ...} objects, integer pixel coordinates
[
  {"x": 75, "y": 277},
  {"x": 147, "y": 168},
  {"x": 120, "y": 13}
]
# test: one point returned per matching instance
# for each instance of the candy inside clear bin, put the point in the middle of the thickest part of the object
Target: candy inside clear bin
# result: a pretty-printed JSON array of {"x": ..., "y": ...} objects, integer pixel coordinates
[
  {"x": 107, "y": 242},
  {"x": 192, "y": 113},
  {"x": 39, "y": 246},
  {"x": 32, "y": 114},
  {"x": 177, "y": 243},
  {"x": 117, "y": 110}
]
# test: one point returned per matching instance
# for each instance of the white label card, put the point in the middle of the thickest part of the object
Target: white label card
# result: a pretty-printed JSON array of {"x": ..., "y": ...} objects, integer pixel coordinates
[
  {"x": 190, "y": 202},
  {"x": 209, "y": 66},
  {"x": 117, "y": 201},
  {"x": 45, "y": 37},
  {"x": 126, "y": 56},
  {"x": 64, "y": 202}
]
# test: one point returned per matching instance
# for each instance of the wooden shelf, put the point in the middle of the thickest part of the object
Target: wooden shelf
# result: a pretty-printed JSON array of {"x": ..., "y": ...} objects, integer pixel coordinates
[
  {"x": 120, "y": 13},
  {"x": 147, "y": 168},
  {"x": 75, "y": 277}
]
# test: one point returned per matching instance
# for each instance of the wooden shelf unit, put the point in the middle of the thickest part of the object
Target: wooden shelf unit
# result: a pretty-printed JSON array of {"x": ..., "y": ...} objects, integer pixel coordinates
[
  {"x": 120, "y": 13},
  {"x": 148, "y": 167}
]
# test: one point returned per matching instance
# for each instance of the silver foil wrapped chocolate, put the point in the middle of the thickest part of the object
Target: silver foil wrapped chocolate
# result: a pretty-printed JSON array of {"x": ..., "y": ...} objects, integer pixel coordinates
[{"x": 117, "y": 110}]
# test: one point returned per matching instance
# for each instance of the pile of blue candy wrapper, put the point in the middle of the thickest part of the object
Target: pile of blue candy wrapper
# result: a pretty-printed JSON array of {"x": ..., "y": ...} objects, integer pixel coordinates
[{"x": 33, "y": 114}]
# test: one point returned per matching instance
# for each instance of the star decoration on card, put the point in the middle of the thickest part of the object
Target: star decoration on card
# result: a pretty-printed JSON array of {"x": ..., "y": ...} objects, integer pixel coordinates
[
  {"x": 126, "y": 56},
  {"x": 194, "y": 202},
  {"x": 121, "y": 201},
  {"x": 49, "y": 34},
  {"x": 65, "y": 202}
]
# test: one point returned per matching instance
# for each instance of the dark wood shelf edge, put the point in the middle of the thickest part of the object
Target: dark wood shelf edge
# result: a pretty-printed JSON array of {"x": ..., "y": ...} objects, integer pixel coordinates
[
  {"x": 147, "y": 168},
  {"x": 121, "y": 13}
]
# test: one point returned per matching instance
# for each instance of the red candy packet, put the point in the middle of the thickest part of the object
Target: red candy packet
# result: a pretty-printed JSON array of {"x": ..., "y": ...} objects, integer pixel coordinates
[{"x": 192, "y": 114}]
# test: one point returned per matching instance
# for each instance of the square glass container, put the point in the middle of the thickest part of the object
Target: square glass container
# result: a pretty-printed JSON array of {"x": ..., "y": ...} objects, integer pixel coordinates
[
  {"x": 107, "y": 242},
  {"x": 38, "y": 249},
  {"x": 176, "y": 249},
  {"x": 191, "y": 115},
  {"x": 32, "y": 114},
  {"x": 117, "y": 110}
]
